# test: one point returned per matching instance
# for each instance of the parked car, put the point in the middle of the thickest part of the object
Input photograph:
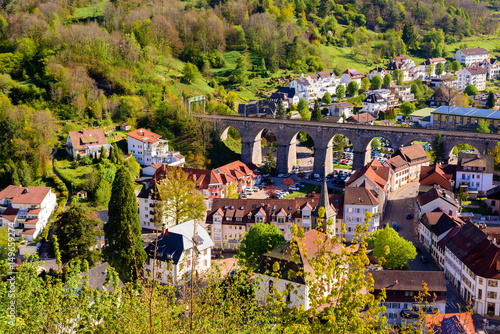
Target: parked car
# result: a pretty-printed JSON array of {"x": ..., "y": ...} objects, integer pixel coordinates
[
  {"x": 409, "y": 216},
  {"x": 424, "y": 259},
  {"x": 293, "y": 188},
  {"x": 395, "y": 226},
  {"x": 280, "y": 175},
  {"x": 418, "y": 250}
]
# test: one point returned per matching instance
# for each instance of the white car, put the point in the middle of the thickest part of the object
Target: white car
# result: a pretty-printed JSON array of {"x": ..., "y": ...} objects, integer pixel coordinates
[{"x": 280, "y": 175}]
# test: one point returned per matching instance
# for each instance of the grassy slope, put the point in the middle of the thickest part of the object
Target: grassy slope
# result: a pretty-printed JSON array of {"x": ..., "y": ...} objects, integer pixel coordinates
[{"x": 92, "y": 11}]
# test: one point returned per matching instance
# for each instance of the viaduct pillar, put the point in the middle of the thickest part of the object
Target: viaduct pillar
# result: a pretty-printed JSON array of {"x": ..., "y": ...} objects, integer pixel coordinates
[
  {"x": 287, "y": 156},
  {"x": 323, "y": 160},
  {"x": 251, "y": 151}
]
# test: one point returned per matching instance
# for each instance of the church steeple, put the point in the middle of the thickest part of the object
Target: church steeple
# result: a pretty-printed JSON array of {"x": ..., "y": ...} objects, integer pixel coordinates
[{"x": 330, "y": 212}]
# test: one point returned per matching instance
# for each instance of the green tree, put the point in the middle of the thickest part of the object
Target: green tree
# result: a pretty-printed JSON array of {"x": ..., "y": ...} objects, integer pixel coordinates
[
  {"x": 240, "y": 73},
  {"x": 365, "y": 84},
  {"x": 376, "y": 142},
  {"x": 455, "y": 66},
  {"x": 103, "y": 155},
  {"x": 398, "y": 76},
  {"x": 439, "y": 69},
  {"x": 352, "y": 88},
  {"x": 180, "y": 200},
  {"x": 410, "y": 36},
  {"x": 483, "y": 126},
  {"x": 124, "y": 249},
  {"x": 129, "y": 107},
  {"x": 429, "y": 70},
  {"x": 377, "y": 82},
  {"x": 262, "y": 67},
  {"x": 316, "y": 113},
  {"x": 303, "y": 109},
  {"x": 340, "y": 92},
  {"x": 447, "y": 66},
  {"x": 327, "y": 98},
  {"x": 471, "y": 90},
  {"x": 56, "y": 250},
  {"x": 387, "y": 79},
  {"x": 281, "y": 110},
  {"x": 438, "y": 152},
  {"x": 490, "y": 103},
  {"x": 391, "y": 250},
  {"x": 269, "y": 162},
  {"x": 257, "y": 241},
  {"x": 77, "y": 235},
  {"x": 407, "y": 108},
  {"x": 189, "y": 73}
]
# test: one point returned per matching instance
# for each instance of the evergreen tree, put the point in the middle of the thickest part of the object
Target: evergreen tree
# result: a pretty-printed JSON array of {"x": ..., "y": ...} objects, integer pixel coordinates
[
  {"x": 112, "y": 154},
  {"x": 438, "y": 152},
  {"x": 124, "y": 249},
  {"x": 103, "y": 153},
  {"x": 490, "y": 103},
  {"x": 281, "y": 110},
  {"x": 77, "y": 235},
  {"x": 24, "y": 172},
  {"x": 316, "y": 113},
  {"x": 240, "y": 73},
  {"x": 269, "y": 162},
  {"x": 262, "y": 67},
  {"x": 410, "y": 36}
]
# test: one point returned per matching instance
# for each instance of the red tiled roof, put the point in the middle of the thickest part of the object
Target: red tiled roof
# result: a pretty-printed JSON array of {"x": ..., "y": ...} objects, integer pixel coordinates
[
  {"x": 397, "y": 163},
  {"x": 21, "y": 195},
  {"x": 144, "y": 135},
  {"x": 29, "y": 231},
  {"x": 414, "y": 154},
  {"x": 375, "y": 171},
  {"x": 10, "y": 214},
  {"x": 434, "y": 194},
  {"x": 435, "y": 174},
  {"x": 34, "y": 211},
  {"x": 360, "y": 196},
  {"x": 82, "y": 139},
  {"x": 362, "y": 118}
]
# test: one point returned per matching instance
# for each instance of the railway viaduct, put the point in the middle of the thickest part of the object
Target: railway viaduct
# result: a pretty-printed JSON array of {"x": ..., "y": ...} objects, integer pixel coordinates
[{"x": 322, "y": 133}]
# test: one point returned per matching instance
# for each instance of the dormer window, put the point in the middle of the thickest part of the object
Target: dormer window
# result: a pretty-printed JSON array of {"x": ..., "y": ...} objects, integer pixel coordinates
[
  {"x": 229, "y": 218},
  {"x": 249, "y": 216},
  {"x": 298, "y": 211}
]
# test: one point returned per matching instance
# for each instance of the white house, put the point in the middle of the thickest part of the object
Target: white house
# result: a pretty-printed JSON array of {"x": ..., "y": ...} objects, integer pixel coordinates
[
  {"x": 349, "y": 75},
  {"x": 402, "y": 286},
  {"x": 357, "y": 202},
  {"x": 433, "y": 227},
  {"x": 86, "y": 142},
  {"x": 493, "y": 67},
  {"x": 170, "y": 256},
  {"x": 403, "y": 64},
  {"x": 467, "y": 57},
  {"x": 472, "y": 75},
  {"x": 314, "y": 86},
  {"x": 471, "y": 258},
  {"x": 341, "y": 109},
  {"x": 433, "y": 62},
  {"x": 148, "y": 148},
  {"x": 28, "y": 209},
  {"x": 400, "y": 171},
  {"x": 379, "y": 70},
  {"x": 475, "y": 171},
  {"x": 379, "y": 100},
  {"x": 438, "y": 199},
  {"x": 306, "y": 248}
]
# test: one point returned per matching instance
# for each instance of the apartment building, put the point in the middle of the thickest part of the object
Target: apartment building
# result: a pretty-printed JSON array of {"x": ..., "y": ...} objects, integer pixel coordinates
[
  {"x": 26, "y": 209},
  {"x": 148, "y": 149},
  {"x": 467, "y": 57},
  {"x": 473, "y": 75},
  {"x": 475, "y": 171}
]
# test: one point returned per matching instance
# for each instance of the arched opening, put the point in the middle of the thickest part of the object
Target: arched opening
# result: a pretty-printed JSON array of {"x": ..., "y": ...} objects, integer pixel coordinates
[
  {"x": 268, "y": 151},
  {"x": 460, "y": 148},
  {"x": 228, "y": 148},
  {"x": 379, "y": 148},
  {"x": 427, "y": 146},
  {"x": 343, "y": 153},
  {"x": 305, "y": 152}
]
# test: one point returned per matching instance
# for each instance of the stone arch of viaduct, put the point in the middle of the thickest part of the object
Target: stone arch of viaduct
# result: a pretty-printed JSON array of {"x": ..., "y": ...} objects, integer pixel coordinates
[{"x": 322, "y": 134}]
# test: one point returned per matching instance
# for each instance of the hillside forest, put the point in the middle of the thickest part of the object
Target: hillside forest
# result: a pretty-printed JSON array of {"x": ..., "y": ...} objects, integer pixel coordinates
[{"x": 70, "y": 64}]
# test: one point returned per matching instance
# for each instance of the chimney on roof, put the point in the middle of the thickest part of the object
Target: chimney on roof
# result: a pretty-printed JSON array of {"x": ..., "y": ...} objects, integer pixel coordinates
[
  {"x": 141, "y": 131},
  {"x": 397, "y": 281}
]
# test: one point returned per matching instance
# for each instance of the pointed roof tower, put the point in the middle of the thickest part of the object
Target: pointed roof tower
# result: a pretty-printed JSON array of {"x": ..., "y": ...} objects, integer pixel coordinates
[{"x": 324, "y": 201}]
